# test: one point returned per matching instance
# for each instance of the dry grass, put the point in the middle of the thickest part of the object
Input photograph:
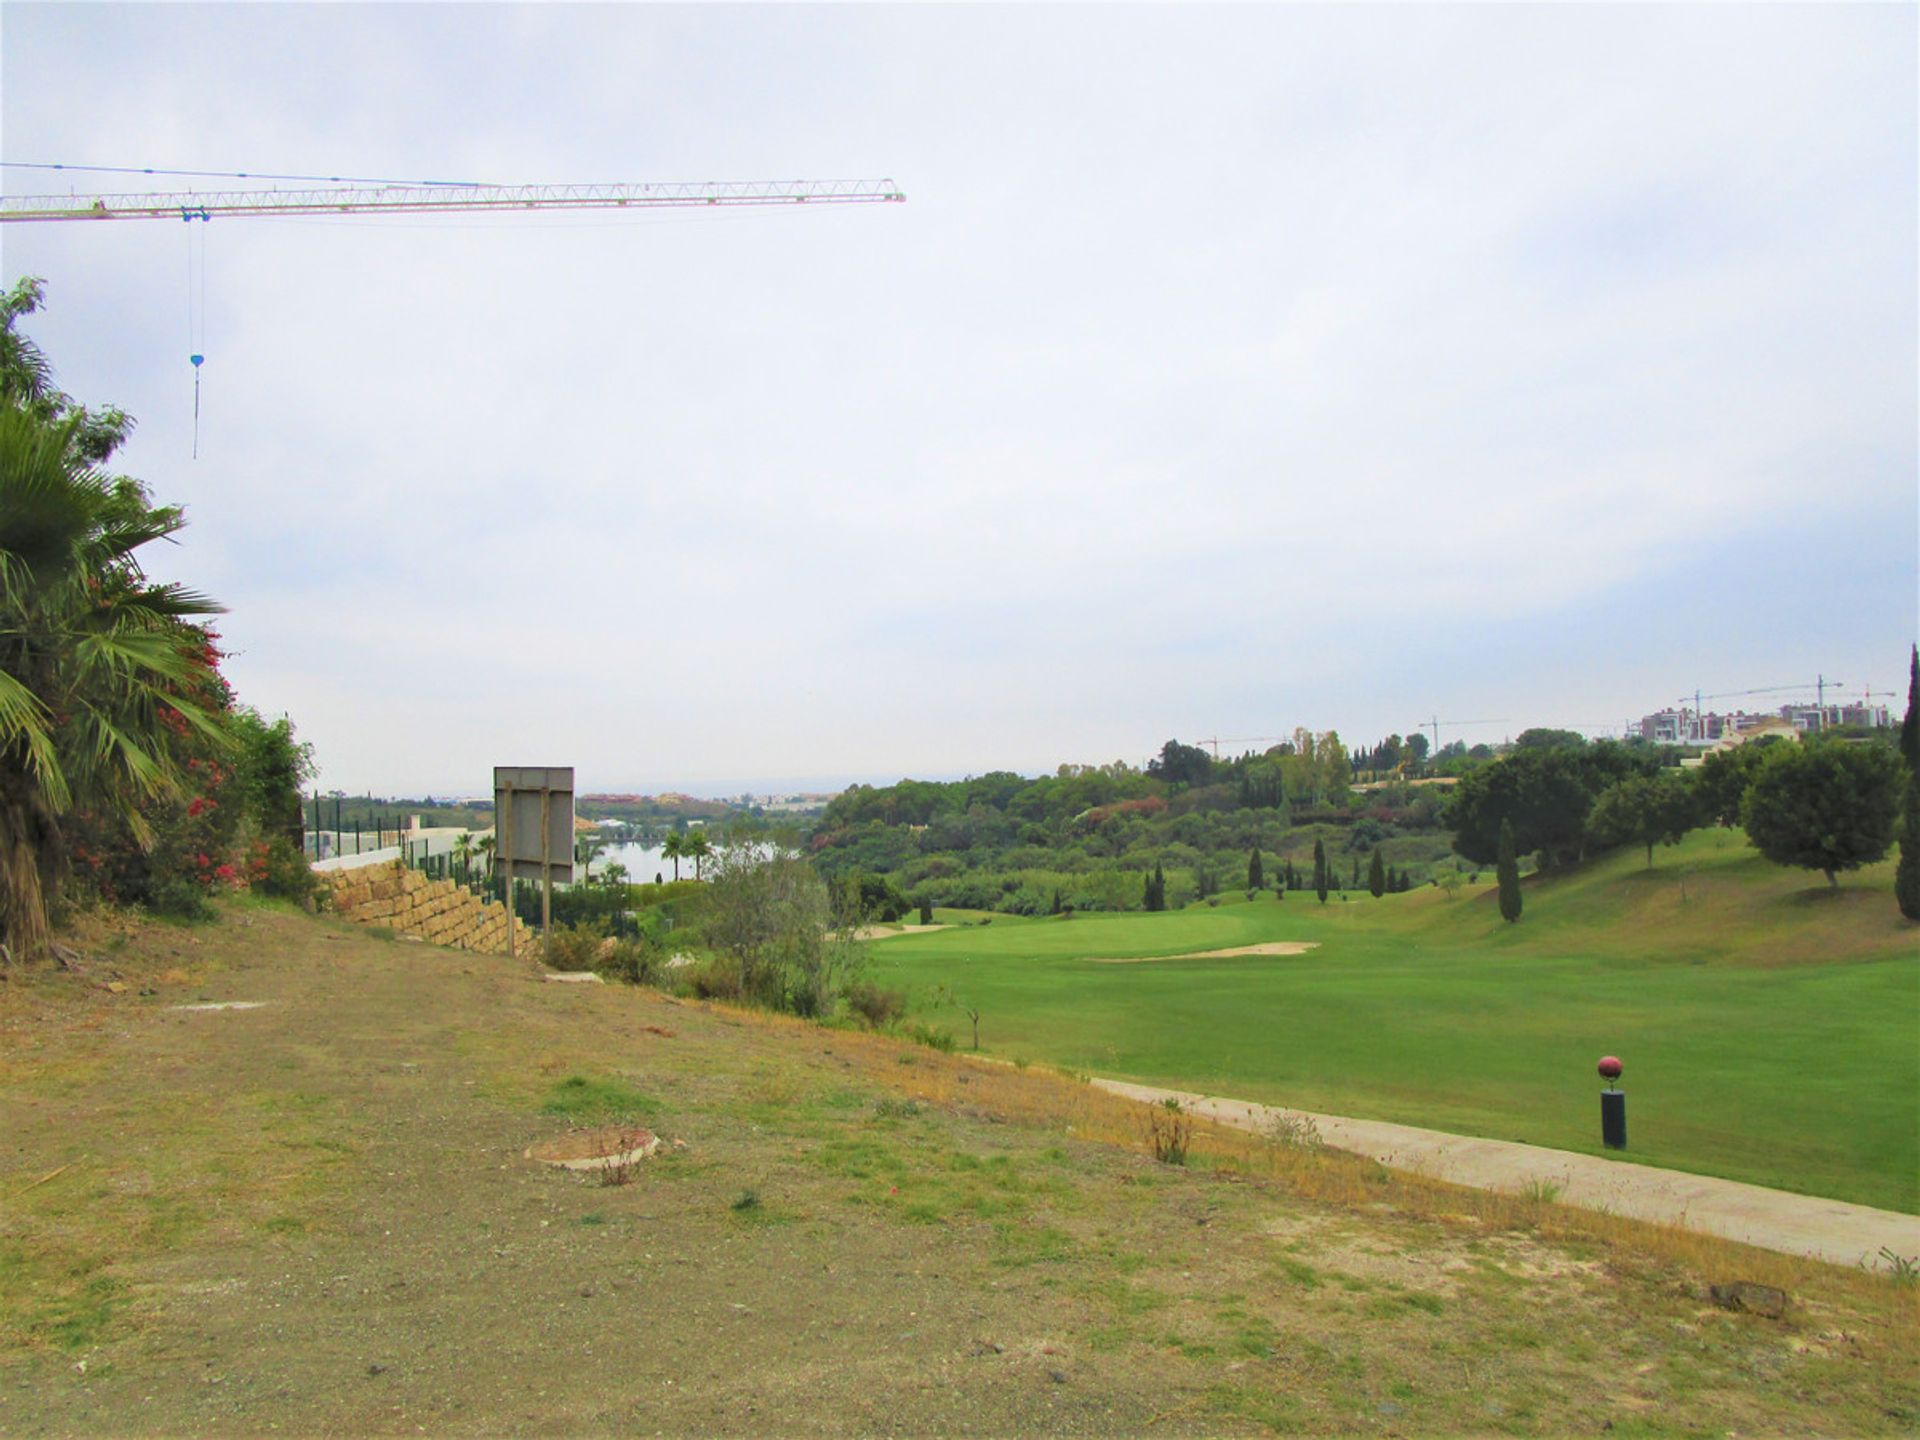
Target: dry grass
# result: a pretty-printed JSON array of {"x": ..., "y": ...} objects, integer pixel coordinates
[
  {"x": 317, "y": 1216},
  {"x": 1045, "y": 1099}
]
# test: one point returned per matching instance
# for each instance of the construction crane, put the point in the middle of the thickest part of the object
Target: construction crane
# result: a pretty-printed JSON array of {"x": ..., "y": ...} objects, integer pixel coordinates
[
  {"x": 1436, "y": 722},
  {"x": 1819, "y": 685},
  {"x": 418, "y": 199},
  {"x": 1217, "y": 741},
  {"x": 359, "y": 197}
]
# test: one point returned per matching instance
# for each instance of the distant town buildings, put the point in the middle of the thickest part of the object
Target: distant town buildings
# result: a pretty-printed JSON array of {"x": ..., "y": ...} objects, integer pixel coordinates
[{"x": 1686, "y": 727}]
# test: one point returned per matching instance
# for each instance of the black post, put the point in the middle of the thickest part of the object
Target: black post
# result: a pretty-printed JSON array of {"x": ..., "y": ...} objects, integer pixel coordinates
[{"x": 1613, "y": 1119}]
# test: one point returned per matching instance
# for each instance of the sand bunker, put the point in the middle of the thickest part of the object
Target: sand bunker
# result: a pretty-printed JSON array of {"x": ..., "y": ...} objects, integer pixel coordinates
[
  {"x": 887, "y": 932},
  {"x": 1271, "y": 947}
]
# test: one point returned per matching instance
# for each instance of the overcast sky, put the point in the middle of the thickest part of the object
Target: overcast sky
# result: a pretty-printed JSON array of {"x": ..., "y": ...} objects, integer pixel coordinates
[{"x": 1228, "y": 369}]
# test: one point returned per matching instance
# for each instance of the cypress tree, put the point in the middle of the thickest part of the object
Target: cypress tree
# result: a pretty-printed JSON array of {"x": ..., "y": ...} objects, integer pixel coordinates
[
  {"x": 1906, "y": 876},
  {"x": 1354, "y": 883},
  {"x": 1256, "y": 872},
  {"x": 1376, "y": 875},
  {"x": 1910, "y": 727},
  {"x": 1320, "y": 870},
  {"x": 1507, "y": 871}
]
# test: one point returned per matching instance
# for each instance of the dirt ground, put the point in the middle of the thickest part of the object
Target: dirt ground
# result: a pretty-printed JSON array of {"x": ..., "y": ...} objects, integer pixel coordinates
[{"x": 318, "y": 1215}]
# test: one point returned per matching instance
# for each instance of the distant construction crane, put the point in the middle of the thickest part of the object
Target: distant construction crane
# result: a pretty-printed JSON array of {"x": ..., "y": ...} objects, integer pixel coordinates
[
  {"x": 360, "y": 197},
  {"x": 1217, "y": 741},
  {"x": 1819, "y": 685},
  {"x": 1435, "y": 724},
  {"x": 423, "y": 199}
]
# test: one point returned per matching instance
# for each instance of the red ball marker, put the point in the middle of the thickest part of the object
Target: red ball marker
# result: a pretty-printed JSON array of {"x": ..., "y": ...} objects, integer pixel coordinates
[{"x": 1613, "y": 1104}]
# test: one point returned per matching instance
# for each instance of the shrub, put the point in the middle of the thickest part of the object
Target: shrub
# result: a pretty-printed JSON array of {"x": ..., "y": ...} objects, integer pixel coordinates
[
  {"x": 286, "y": 873},
  {"x": 178, "y": 898},
  {"x": 877, "y": 1007},
  {"x": 632, "y": 962},
  {"x": 575, "y": 947},
  {"x": 931, "y": 1036},
  {"x": 717, "y": 979}
]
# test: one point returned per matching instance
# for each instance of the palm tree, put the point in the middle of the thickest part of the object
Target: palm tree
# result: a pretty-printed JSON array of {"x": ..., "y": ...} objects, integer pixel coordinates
[
  {"x": 696, "y": 847},
  {"x": 463, "y": 852},
  {"x": 673, "y": 847},
  {"x": 100, "y": 669}
]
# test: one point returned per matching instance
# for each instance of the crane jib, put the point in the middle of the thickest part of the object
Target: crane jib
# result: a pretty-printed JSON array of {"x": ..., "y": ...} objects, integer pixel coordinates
[{"x": 441, "y": 199}]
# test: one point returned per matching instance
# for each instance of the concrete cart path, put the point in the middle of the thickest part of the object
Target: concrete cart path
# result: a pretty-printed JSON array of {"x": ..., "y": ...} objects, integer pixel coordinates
[{"x": 1773, "y": 1219}]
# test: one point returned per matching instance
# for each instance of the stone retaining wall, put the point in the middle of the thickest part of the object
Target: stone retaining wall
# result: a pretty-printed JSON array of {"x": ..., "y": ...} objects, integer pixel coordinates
[{"x": 439, "y": 911}]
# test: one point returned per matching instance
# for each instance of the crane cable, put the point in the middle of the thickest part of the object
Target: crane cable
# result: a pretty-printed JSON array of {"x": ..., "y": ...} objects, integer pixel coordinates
[{"x": 196, "y": 310}]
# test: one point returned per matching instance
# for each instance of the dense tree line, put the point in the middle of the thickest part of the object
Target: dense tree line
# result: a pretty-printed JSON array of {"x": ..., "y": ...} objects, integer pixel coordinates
[{"x": 1024, "y": 845}]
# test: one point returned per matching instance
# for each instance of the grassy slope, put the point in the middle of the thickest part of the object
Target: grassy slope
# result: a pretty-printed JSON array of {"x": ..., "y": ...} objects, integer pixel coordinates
[
  {"x": 1768, "y": 1026},
  {"x": 315, "y": 1217}
]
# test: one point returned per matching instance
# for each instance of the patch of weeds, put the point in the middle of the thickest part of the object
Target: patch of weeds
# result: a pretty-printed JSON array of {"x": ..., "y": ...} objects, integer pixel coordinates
[
  {"x": 592, "y": 1217},
  {"x": 1018, "y": 1246},
  {"x": 1255, "y": 1336},
  {"x": 841, "y": 1099},
  {"x": 379, "y": 932},
  {"x": 1387, "y": 1307},
  {"x": 1295, "y": 1131},
  {"x": 619, "y": 1167},
  {"x": 894, "y": 1109},
  {"x": 1192, "y": 1349},
  {"x": 1519, "y": 1337},
  {"x": 1541, "y": 1191},
  {"x": 934, "y": 1037},
  {"x": 1299, "y": 1273},
  {"x": 70, "y": 1309},
  {"x": 749, "y": 1209},
  {"x": 1169, "y": 1132},
  {"x": 1901, "y": 1269},
  {"x": 169, "y": 1220},
  {"x": 857, "y": 1159},
  {"x": 285, "y": 1225},
  {"x": 1131, "y": 1300},
  {"x": 581, "y": 1098},
  {"x": 1495, "y": 1274}
]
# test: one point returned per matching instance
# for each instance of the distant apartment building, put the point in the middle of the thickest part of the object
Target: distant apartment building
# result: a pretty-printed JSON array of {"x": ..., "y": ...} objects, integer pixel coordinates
[
  {"x": 1808, "y": 718},
  {"x": 1684, "y": 727}
]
